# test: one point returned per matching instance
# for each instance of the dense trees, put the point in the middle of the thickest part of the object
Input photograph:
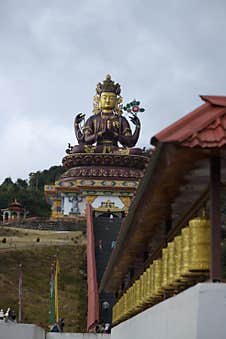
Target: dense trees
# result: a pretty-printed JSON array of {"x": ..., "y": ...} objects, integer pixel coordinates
[{"x": 30, "y": 193}]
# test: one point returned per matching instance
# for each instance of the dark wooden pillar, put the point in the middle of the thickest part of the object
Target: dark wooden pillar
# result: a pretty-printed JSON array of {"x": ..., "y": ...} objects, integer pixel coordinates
[{"x": 215, "y": 218}]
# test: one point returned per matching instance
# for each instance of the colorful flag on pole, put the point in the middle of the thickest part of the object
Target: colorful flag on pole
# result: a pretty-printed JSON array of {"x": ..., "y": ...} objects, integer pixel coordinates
[{"x": 54, "y": 305}]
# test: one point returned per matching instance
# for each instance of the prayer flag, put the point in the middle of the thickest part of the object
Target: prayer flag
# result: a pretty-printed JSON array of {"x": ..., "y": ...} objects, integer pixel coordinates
[{"x": 54, "y": 305}]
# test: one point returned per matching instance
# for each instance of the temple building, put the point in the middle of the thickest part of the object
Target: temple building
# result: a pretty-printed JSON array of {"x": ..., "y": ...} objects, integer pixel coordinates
[{"x": 15, "y": 212}]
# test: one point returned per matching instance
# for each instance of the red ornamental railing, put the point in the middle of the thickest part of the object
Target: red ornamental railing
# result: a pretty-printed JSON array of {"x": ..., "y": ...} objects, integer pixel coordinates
[{"x": 93, "y": 296}]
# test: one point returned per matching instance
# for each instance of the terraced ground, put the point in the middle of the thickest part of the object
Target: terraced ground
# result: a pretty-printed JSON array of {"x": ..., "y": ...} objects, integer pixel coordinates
[{"x": 34, "y": 250}]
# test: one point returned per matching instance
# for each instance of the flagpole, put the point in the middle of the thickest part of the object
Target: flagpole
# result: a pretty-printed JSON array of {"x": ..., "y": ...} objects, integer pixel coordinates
[
  {"x": 20, "y": 293},
  {"x": 54, "y": 304},
  {"x": 52, "y": 295},
  {"x": 56, "y": 289}
]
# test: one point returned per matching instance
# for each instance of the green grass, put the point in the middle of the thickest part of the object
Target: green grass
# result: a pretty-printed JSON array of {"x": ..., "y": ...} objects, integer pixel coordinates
[{"x": 36, "y": 277}]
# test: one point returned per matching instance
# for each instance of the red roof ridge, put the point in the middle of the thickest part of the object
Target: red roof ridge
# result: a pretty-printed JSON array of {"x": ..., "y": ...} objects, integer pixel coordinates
[
  {"x": 194, "y": 122},
  {"x": 217, "y": 100}
]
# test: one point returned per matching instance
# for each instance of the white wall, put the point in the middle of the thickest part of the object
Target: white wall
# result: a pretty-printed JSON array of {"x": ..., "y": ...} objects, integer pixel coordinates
[
  {"x": 21, "y": 331},
  {"x": 197, "y": 313},
  {"x": 76, "y": 336},
  {"x": 68, "y": 204},
  {"x": 28, "y": 331}
]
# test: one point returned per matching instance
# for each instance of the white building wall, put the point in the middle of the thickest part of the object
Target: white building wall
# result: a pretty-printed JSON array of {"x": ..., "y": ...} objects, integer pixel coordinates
[
  {"x": 21, "y": 331},
  {"x": 29, "y": 331},
  {"x": 197, "y": 313},
  {"x": 69, "y": 204},
  {"x": 77, "y": 336}
]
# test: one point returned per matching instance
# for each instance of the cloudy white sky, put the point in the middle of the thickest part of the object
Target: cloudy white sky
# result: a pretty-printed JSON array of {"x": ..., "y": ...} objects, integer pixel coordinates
[{"x": 53, "y": 53}]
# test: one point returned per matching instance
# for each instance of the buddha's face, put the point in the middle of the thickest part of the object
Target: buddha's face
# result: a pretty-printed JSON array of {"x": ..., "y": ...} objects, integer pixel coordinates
[{"x": 107, "y": 100}]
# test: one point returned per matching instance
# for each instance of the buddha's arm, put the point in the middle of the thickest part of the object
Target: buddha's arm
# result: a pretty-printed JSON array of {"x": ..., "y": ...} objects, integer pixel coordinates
[
  {"x": 78, "y": 133},
  {"x": 89, "y": 135},
  {"x": 127, "y": 138},
  {"x": 90, "y": 139}
]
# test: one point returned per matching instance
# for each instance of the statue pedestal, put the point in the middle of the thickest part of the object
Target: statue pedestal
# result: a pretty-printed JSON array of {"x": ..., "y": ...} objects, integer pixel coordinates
[{"x": 92, "y": 176}]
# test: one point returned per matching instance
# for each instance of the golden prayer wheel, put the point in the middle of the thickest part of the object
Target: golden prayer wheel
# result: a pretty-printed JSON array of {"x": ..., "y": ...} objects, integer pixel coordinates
[
  {"x": 141, "y": 289},
  {"x": 165, "y": 268},
  {"x": 178, "y": 249},
  {"x": 116, "y": 311},
  {"x": 157, "y": 277},
  {"x": 118, "y": 315},
  {"x": 131, "y": 304},
  {"x": 113, "y": 315},
  {"x": 145, "y": 286},
  {"x": 137, "y": 292},
  {"x": 186, "y": 249},
  {"x": 120, "y": 308},
  {"x": 133, "y": 297},
  {"x": 123, "y": 306},
  {"x": 200, "y": 244},
  {"x": 150, "y": 284},
  {"x": 171, "y": 265},
  {"x": 127, "y": 303},
  {"x": 148, "y": 287},
  {"x": 130, "y": 300}
]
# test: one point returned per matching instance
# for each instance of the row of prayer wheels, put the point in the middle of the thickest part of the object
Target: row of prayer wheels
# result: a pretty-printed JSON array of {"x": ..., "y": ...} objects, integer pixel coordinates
[{"x": 183, "y": 262}]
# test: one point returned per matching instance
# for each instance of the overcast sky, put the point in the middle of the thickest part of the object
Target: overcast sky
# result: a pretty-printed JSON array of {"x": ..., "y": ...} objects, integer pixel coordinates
[{"x": 53, "y": 53}]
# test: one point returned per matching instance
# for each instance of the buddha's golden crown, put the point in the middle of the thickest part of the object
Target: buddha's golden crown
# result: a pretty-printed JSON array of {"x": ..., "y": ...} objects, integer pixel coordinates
[{"x": 108, "y": 86}]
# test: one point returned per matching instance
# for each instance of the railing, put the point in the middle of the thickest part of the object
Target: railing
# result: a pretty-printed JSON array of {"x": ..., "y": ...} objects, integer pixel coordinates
[
  {"x": 184, "y": 262},
  {"x": 93, "y": 296}
]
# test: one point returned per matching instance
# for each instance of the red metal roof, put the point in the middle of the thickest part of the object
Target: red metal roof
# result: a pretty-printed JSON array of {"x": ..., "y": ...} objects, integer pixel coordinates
[{"x": 204, "y": 127}]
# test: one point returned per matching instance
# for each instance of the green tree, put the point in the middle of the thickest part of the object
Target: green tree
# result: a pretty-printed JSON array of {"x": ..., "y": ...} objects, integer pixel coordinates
[
  {"x": 22, "y": 183},
  {"x": 30, "y": 194}
]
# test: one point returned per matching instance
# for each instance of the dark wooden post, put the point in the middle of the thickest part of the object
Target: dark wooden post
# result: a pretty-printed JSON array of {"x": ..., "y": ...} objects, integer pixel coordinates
[{"x": 215, "y": 218}]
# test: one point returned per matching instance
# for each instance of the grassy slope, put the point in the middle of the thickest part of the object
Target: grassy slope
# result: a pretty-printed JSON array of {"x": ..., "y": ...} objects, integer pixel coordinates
[{"x": 36, "y": 275}]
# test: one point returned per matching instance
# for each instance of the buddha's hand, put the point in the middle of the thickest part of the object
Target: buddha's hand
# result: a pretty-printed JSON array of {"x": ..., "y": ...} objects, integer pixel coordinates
[
  {"x": 78, "y": 119},
  {"x": 135, "y": 120},
  {"x": 100, "y": 134}
]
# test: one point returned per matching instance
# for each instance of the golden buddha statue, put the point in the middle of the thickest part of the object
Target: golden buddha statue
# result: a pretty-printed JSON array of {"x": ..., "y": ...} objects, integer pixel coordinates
[{"x": 107, "y": 127}]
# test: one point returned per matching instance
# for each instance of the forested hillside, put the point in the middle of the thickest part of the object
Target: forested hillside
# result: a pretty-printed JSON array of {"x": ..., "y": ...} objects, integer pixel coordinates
[{"x": 30, "y": 193}]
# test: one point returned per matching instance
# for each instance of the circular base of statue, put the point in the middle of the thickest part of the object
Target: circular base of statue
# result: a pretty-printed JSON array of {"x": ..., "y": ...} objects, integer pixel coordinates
[
  {"x": 106, "y": 159},
  {"x": 95, "y": 165},
  {"x": 100, "y": 172}
]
